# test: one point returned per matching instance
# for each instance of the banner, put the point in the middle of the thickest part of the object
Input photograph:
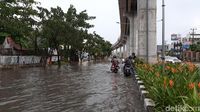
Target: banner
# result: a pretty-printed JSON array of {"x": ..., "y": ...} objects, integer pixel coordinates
[{"x": 175, "y": 37}]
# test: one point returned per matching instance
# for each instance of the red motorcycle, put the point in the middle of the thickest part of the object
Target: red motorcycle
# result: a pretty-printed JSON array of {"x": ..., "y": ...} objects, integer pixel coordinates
[{"x": 114, "y": 68}]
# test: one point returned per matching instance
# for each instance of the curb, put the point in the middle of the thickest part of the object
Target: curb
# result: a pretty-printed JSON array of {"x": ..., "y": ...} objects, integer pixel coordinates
[{"x": 149, "y": 104}]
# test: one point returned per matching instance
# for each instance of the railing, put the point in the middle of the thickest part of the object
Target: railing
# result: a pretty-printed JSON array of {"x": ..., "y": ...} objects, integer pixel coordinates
[
  {"x": 191, "y": 56},
  {"x": 6, "y": 52}
]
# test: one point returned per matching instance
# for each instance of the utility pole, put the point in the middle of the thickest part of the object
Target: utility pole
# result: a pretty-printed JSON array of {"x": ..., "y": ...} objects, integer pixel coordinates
[
  {"x": 163, "y": 36},
  {"x": 193, "y": 34}
]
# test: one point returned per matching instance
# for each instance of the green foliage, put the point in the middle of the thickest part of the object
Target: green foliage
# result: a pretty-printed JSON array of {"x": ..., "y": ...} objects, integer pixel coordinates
[
  {"x": 37, "y": 28},
  {"x": 17, "y": 18},
  {"x": 139, "y": 61},
  {"x": 195, "y": 47},
  {"x": 180, "y": 85}
]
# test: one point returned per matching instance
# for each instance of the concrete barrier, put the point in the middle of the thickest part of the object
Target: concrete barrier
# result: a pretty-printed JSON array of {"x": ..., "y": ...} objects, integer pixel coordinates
[{"x": 149, "y": 104}]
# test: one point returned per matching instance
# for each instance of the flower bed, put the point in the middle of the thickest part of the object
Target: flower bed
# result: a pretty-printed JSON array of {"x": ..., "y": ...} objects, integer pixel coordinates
[{"x": 180, "y": 85}]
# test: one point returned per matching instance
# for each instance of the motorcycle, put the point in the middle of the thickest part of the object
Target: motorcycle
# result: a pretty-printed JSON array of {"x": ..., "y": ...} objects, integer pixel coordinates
[
  {"x": 127, "y": 70},
  {"x": 114, "y": 68}
]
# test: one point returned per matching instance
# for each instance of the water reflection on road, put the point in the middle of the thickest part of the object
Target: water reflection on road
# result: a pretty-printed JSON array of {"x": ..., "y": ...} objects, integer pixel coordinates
[{"x": 87, "y": 87}]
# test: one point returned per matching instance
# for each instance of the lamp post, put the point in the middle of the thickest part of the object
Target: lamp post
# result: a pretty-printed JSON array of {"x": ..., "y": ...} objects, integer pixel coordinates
[{"x": 163, "y": 36}]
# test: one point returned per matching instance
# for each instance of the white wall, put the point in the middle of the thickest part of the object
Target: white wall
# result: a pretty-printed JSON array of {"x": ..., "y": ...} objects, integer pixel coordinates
[{"x": 11, "y": 60}]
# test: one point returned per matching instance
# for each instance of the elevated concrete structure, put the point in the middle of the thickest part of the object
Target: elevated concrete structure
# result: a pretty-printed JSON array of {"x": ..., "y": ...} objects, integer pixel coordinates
[{"x": 138, "y": 29}]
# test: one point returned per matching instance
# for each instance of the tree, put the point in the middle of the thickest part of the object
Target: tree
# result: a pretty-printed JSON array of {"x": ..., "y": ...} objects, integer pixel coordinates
[
  {"x": 97, "y": 46},
  {"x": 17, "y": 19},
  {"x": 195, "y": 47},
  {"x": 67, "y": 29},
  {"x": 53, "y": 29},
  {"x": 76, "y": 29}
]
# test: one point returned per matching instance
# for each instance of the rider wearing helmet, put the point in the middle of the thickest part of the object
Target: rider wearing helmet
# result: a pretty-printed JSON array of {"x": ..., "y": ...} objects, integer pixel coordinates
[
  {"x": 130, "y": 62},
  {"x": 114, "y": 60}
]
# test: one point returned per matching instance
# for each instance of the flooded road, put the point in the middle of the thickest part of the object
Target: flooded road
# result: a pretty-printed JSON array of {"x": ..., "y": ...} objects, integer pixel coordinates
[{"x": 87, "y": 87}]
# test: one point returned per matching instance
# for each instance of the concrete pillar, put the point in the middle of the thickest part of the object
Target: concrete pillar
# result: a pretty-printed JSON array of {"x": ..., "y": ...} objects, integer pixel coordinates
[
  {"x": 128, "y": 46},
  {"x": 133, "y": 33},
  {"x": 131, "y": 19},
  {"x": 120, "y": 51},
  {"x": 124, "y": 51},
  {"x": 115, "y": 52},
  {"x": 143, "y": 49},
  {"x": 112, "y": 52}
]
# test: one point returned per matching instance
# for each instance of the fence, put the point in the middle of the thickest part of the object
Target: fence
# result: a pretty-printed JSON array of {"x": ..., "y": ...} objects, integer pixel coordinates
[
  {"x": 14, "y": 60},
  {"x": 191, "y": 56},
  {"x": 6, "y": 52}
]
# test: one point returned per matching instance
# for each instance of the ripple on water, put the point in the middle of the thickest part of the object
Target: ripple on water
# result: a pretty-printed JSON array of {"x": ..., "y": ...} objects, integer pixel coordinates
[{"x": 87, "y": 88}]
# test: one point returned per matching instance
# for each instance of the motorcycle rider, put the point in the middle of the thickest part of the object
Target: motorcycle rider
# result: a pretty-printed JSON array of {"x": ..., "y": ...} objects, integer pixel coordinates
[
  {"x": 130, "y": 62},
  {"x": 114, "y": 61}
]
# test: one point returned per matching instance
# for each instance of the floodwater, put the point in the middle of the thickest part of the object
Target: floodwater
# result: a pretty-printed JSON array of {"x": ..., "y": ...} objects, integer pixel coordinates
[{"x": 86, "y": 87}]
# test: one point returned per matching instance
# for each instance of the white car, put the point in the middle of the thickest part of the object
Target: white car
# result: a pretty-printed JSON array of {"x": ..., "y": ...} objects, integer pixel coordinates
[{"x": 172, "y": 59}]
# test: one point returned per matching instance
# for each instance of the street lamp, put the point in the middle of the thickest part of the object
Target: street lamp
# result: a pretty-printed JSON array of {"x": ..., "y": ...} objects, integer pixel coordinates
[{"x": 163, "y": 36}]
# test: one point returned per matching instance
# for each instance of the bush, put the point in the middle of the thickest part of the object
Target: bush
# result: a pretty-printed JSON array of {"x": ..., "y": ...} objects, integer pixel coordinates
[
  {"x": 180, "y": 85},
  {"x": 139, "y": 61}
]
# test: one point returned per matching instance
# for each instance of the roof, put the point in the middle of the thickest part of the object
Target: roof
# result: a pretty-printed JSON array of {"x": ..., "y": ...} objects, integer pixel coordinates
[{"x": 10, "y": 43}]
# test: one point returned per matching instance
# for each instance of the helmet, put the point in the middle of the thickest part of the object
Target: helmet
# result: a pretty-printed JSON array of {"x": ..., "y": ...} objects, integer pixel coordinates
[
  {"x": 133, "y": 54},
  {"x": 130, "y": 57}
]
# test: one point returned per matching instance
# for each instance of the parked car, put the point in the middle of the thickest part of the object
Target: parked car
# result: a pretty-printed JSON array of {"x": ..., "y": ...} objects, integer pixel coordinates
[{"x": 171, "y": 59}]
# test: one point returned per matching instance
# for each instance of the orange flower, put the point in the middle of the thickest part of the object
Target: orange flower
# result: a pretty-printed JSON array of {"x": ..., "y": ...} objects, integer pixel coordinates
[
  {"x": 199, "y": 84},
  {"x": 191, "y": 66},
  {"x": 171, "y": 83},
  {"x": 157, "y": 74},
  {"x": 173, "y": 70},
  {"x": 167, "y": 68},
  {"x": 191, "y": 85}
]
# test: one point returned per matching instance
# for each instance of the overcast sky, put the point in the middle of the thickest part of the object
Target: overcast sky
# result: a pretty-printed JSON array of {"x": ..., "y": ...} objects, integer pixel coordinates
[{"x": 181, "y": 16}]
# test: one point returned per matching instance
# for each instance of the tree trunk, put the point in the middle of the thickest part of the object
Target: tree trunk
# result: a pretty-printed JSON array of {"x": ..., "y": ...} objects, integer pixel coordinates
[
  {"x": 68, "y": 52},
  {"x": 36, "y": 47},
  {"x": 58, "y": 54}
]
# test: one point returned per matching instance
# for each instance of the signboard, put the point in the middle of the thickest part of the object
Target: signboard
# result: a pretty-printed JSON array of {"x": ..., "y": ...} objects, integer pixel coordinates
[
  {"x": 175, "y": 37},
  {"x": 186, "y": 45}
]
